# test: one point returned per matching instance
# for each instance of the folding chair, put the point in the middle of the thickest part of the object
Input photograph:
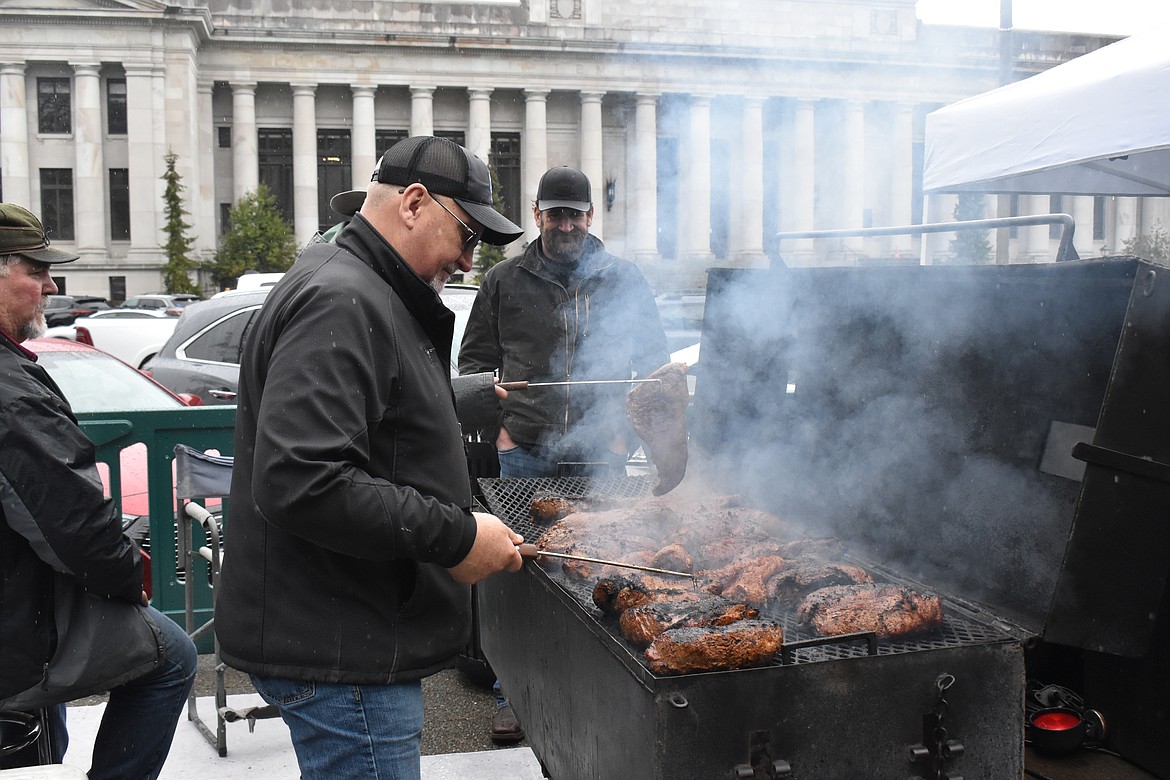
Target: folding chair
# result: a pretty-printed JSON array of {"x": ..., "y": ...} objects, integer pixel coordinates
[{"x": 200, "y": 478}]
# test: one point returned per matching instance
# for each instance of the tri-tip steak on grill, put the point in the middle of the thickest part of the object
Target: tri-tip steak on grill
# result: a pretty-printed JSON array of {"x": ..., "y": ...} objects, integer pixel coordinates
[
  {"x": 887, "y": 610},
  {"x": 745, "y": 562}
]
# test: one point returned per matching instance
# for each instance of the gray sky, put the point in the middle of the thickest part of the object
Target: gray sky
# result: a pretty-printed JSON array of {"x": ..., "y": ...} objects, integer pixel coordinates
[{"x": 1111, "y": 17}]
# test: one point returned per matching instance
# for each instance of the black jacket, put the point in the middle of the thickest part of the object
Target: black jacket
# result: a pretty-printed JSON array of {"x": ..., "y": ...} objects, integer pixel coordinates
[
  {"x": 599, "y": 323},
  {"x": 350, "y": 492},
  {"x": 59, "y": 534}
]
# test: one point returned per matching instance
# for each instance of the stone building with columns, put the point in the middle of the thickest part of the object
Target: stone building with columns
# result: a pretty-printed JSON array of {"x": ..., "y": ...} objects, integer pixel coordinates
[{"x": 705, "y": 128}]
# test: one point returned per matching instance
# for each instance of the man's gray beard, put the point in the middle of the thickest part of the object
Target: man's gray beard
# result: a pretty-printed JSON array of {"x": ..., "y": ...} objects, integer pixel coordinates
[
  {"x": 34, "y": 328},
  {"x": 438, "y": 283}
]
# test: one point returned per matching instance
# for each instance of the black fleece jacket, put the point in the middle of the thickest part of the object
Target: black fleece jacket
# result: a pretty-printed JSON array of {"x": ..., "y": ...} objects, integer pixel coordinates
[{"x": 350, "y": 494}]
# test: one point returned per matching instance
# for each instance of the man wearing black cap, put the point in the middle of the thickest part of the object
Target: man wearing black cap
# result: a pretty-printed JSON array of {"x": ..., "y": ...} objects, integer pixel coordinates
[
  {"x": 353, "y": 543},
  {"x": 564, "y": 310},
  {"x": 74, "y": 619}
]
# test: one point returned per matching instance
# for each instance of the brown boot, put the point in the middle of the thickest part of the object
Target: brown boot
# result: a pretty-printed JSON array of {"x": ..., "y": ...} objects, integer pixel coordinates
[{"x": 505, "y": 727}]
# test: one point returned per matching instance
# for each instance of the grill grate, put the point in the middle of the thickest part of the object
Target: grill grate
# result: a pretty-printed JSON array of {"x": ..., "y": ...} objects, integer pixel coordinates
[{"x": 509, "y": 499}]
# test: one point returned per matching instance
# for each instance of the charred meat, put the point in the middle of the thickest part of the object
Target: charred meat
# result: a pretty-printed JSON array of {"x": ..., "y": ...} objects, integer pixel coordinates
[
  {"x": 642, "y": 624},
  {"x": 804, "y": 575},
  {"x": 739, "y": 645},
  {"x": 658, "y": 411},
  {"x": 887, "y": 610}
]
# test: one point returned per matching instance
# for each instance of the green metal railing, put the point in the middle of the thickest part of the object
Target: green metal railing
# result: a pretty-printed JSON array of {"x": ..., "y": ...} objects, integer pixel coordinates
[{"x": 209, "y": 427}]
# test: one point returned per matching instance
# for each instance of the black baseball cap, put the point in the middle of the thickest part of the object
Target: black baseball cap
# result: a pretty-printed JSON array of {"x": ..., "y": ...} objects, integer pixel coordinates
[
  {"x": 446, "y": 168},
  {"x": 21, "y": 233},
  {"x": 564, "y": 187}
]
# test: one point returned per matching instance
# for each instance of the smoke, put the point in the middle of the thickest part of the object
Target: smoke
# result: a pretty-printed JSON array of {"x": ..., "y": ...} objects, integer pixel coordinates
[{"x": 906, "y": 410}]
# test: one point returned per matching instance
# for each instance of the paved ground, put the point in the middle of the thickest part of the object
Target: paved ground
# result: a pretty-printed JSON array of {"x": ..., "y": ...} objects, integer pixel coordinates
[{"x": 455, "y": 742}]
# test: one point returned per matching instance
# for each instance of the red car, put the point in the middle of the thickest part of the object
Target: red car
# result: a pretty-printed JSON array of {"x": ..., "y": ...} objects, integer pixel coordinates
[{"x": 94, "y": 381}]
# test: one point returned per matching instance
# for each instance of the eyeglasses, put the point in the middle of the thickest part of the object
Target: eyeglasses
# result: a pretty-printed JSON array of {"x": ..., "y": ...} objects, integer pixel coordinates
[
  {"x": 558, "y": 214},
  {"x": 472, "y": 239}
]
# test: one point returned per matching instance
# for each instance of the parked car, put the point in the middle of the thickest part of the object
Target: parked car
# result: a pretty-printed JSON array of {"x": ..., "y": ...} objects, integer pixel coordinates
[
  {"x": 70, "y": 331},
  {"x": 202, "y": 357},
  {"x": 171, "y": 303},
  {"x": 64, "y": 309},
  {"x": 133, "y": 339},
  {"x": 94, "y": 381}
]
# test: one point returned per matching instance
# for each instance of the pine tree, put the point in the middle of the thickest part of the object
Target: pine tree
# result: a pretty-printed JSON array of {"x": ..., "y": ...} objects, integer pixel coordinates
[
  {"x": 257, "y": 239},
  {"x": 1153, "y": 246},
  {"x": 177, "y": 269},
  {"x": 970, "y": 246},
  {"x": 489, "y": 254}
]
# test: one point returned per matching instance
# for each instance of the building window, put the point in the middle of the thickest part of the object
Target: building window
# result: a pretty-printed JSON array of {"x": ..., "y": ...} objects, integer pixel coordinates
[
  {"x": 276, "y": 167},
  {"x": 1099, "y": 218},
  {"x": 384, "y": 139},
  {"x": 225, "y": 136},
  {"x": 120, "y": 204},
  {"x": 505, "y": 157},
  {"x": 334, "y": 173},
  {"x": 117, "y": 289},
  {"x": 54, "y": 111},
  {"x": 225, "y": 218},
  {"x": 116, "y": 106},
  {"x": 57, "y": 203}
]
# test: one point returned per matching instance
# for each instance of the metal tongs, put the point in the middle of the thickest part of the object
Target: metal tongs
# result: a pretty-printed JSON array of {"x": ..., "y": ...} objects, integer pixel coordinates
[
  {"x": 524, "y": 384},
  {"x": 532, "y": 552}
]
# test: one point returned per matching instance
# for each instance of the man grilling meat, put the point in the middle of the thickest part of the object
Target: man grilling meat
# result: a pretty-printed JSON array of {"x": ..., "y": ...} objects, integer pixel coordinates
[{"x": 564, "y": 310}]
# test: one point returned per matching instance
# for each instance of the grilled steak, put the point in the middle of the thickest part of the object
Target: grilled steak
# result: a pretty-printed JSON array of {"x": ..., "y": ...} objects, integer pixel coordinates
[
  {"x": 658, "y": 411},
  {"x": 616, "y": 593},
  {"x": 739, "y": 645},
  {"x": 887, "y": 610},
  {"x": 543, "y": 511},
  {"x": 804, "y": 575},
  {"x": 640, "y": 625}
]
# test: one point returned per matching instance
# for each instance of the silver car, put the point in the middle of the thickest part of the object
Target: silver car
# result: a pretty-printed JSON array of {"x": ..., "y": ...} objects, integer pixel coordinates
[{"x": 202, "y": 356}]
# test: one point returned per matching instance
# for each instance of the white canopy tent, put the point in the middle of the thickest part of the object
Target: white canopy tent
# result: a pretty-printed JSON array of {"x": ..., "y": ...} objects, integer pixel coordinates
[{"x": 1096, "y": 125}]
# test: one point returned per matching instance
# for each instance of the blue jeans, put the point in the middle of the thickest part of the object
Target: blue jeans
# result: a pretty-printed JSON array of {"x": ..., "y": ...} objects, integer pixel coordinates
[
  {"x": 519, "y": 462},
  {"x": 140, "y": 717},
  {"x": 350, "y": 731}
]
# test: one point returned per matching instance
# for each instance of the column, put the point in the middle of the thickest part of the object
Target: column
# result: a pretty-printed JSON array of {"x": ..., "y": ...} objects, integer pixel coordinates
[
  {"x": 591, "y": 163},
  {"x": 902, "y": 189},
  {"x": 854, "y": 184},
  {"x": 206, "y": 198},
  {"x": 534, "y": 151},
  {"x": 697, "y": 234},
  {"x": 145, "y": 206},
  {"x": 747, "y": 229},
  {"x": 422, "y": 111},
  {"x": 1081, "y": 210},
  {"x": 644, "y": 209},
  {"x": 1032, "y": 246},
  {"x": 89, "y": 182},
  {"x": 14, "y": 135},
  {"x": 804, "y": 182},
  {"x": 365, "y": 152},
  {"x": 305, "y": 217},
  {"x": 245, "y": 154},
  {"x": 479, "y": 123}
]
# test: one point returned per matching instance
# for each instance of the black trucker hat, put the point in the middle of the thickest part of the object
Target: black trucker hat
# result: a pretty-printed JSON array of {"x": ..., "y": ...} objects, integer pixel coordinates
[
  {"x": 564, "y": 187},
  {"x": 446, "y": 168},
  {"x": 21, "y": 233}
]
